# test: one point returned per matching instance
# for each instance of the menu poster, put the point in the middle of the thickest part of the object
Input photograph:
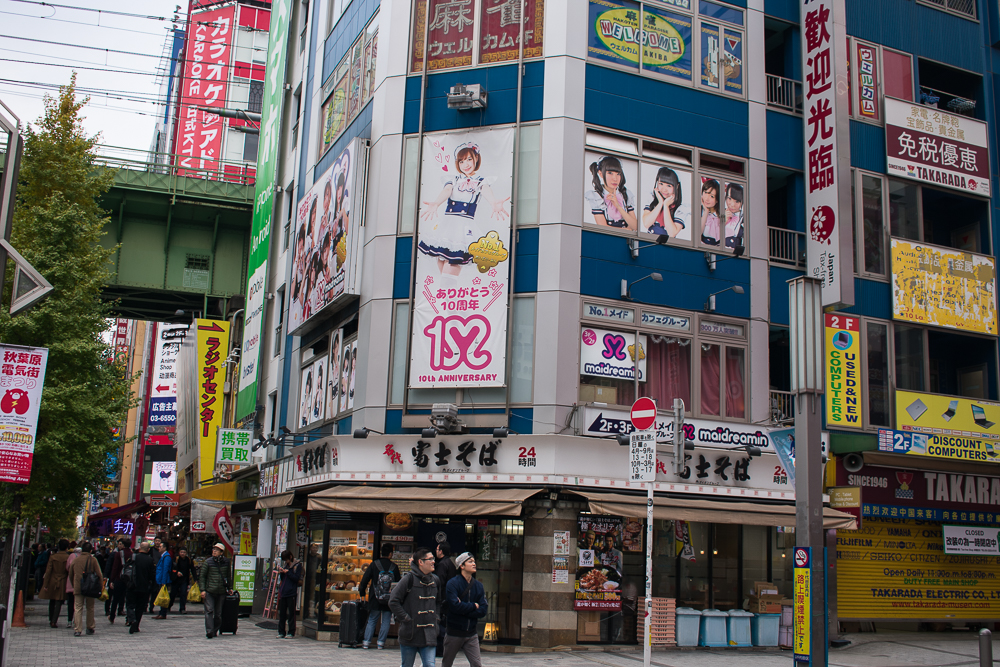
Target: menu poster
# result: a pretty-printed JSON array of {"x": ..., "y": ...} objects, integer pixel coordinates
[{"x": 598, "y": 586}]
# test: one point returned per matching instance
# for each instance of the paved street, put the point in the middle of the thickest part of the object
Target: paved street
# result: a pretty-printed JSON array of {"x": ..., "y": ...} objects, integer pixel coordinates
[{"x": 180, "y": 642}]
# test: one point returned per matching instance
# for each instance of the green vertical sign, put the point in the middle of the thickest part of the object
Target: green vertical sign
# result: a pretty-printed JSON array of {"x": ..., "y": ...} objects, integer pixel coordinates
[
  {"x": 243, "y": 578},
  {"x": 263, "y": 207}
]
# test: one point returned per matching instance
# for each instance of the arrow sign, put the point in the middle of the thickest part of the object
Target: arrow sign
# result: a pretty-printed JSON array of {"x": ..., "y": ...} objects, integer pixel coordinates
[
  {"x": 162, "y": 387},
  {"x": 643, "y": 413}
]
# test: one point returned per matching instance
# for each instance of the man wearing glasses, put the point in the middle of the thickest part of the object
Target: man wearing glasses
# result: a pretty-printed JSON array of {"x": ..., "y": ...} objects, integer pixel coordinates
[
  {"x": 466, "y": 605},
  {"x": 416, "y": 603}
]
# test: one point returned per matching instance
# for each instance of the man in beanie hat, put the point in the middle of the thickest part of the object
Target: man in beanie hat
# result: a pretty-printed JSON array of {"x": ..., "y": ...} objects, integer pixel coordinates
[
  {"x": 466, "y": 605},
  {"x": 215, "y": 584}
]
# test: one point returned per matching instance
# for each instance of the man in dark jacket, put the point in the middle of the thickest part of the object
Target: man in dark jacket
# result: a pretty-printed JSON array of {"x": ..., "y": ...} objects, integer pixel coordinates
[
  {"x": 137, "y": 589},
  {"x": 466, "y": 605},
  {"x": 291, "y": 574},
  {"x": 378, "y": 596},
  {"x": 154, "y": 553},
  {"x": 215, "y": 584},
  {"x": 416, "y": 604},
  {"x": 182, "y": 577},
  {"x": 116, "y": 590},
  {"x": 445, "y": 571}
]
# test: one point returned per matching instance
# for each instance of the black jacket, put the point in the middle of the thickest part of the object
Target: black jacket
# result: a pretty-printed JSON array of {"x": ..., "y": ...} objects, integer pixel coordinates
[
  {"x": 462, "y": 597},
  {"x": 182, "y": 569},
  {"x": 371, "y": 576},
  {"x": 416, "y": 603},
  {"x": 445, "y": 570},
  {"x": 145, "y": 573}
]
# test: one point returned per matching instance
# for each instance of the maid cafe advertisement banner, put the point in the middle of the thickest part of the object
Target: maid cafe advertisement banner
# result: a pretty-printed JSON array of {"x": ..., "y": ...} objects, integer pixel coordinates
[
  {"x": 326, "y": 254},
  {"x": 463, "y": 260}
]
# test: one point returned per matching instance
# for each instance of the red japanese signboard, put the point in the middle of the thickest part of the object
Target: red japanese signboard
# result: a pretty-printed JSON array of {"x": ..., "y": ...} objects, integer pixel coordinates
[
  {"x": 450, "y": 35},
  {"x": 827, "y": 256},
  {"x": 500, "y": 29},
  {"x": 205, "y": 84},
  {"x": 22, "y": 376}
]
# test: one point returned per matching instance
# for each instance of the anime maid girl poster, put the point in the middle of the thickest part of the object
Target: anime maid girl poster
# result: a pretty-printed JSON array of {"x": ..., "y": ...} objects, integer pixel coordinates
[{"x": 463, "y": 260}]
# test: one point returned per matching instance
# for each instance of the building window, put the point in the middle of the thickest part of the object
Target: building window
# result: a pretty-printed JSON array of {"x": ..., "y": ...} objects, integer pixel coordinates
[
  {"x": 522, "y": 342},
  {"x": 871, "y": 228},
  {"x": 349, "y": 87},
  {"x": 640, "y": 187},
  {"x": 877, "y": 371},
  {"x": 408, "y": 190},
  {"x": 400, "y": 329},
  {"x": 250, "y": 147},
  {"x": 278, "y": 337},
  {"x": 966, "y": 8},
  {"x": 702, "y": 48}
]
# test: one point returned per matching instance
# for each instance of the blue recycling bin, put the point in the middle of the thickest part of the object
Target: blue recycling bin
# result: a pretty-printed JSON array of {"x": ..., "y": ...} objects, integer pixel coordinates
[
  {"x": 738, "y": 627},
  {"x": 713, "y": 628},
  {"x": 764, "y": 629},
  {"x": 688, "y": 626}
]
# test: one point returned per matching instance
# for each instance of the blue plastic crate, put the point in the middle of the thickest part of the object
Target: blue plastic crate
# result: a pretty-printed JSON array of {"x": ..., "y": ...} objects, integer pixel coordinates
[
  {"x": 713, "y": 628},
  {"x": 688, "y": 626}
]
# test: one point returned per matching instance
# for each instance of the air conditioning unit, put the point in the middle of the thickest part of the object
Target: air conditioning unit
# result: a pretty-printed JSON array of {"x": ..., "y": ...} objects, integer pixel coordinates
[{"x": 464, "y": 97}]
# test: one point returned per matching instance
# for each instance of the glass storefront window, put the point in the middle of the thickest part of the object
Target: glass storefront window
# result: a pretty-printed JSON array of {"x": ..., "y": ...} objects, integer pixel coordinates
[
  {"x": 735, "y": 382},
  {"x": 726, "y": 566},
  {"x": 692, "y": 584},
  {"x": 314, "y": 574},
  {"x": 336, "y": 561},
  {"x": 782, "y": 544}
]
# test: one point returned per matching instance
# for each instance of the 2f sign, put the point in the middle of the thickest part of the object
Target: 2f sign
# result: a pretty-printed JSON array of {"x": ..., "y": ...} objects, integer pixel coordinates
[{"x": 843, "y": 371}]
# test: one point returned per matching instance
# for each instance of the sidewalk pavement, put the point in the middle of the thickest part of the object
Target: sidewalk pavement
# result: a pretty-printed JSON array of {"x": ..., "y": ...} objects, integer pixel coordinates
[{"x": 180, "y": 641}]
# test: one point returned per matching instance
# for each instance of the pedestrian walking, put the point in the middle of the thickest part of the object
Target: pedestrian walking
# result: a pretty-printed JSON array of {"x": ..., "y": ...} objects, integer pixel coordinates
[
  {"x": 137, "y": 589},
  {"x": 445, "y": 570},
  {"x": 74, "y": 553},
  {"x": 467, "y": 604},
  {"x": 41, "y": 561},
  {"x": 154, "y": 552},
  {"x": 85, "y": 564},
  {"x": 381, "y": 575},
  {"x": 416, "y": 603},
  {"x": 215, "y": 584},
  {"x": 164, "y": 577},
  {"x": 182, "y": 577},
  {"x": 116, "y": 587},
  {"x": 291, "y": 577},
  {"x": 54, "y": 582}
]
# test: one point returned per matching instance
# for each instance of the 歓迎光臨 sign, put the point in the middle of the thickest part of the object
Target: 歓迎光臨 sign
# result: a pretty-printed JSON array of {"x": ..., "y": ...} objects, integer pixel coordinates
[{"x": 932, "y": 146}]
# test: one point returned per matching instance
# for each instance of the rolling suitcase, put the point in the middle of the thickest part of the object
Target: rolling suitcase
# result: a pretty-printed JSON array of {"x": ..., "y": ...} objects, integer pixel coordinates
[
  {"x": 352, "y": 625},
  {"x": 230, "y": 613}
]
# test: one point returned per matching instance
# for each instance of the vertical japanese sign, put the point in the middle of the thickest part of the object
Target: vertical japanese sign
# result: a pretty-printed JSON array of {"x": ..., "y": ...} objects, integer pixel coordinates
[
  {"x": 244, "y": 569},
  {"x": 450, "y": 35},
  {"x": 463, "y": 269},
  {"x": 500, "y": 29},
  {"x": 234, "y": 447},
  {"x": 206, "y": 78},
  {"x": 263, "y": 207},
  {"x": 827, "y": 150},
  {"x": 213, "y": 348},
  {"x": 928, "y": 145},
  {"x": 22, "y": 377},
  {"x": 163, "y": 385},
  {"x": 121, "y": 341},
  {"x": 843, "y": 371},
  {"x": 866, "y": 79},
  {"x": 802, "y": 603}
]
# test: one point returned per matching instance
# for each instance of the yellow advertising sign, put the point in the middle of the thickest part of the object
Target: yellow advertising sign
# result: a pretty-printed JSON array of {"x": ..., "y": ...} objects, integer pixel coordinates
[
  {"x": 943, "y": 287},
  {"x": 843, "y": 371},
  {"x": 845, "y": 496},
  {"x": 897, "y": 568},
  {"x": 955, "y": 428},
  {"x": 213, "y": 348},
  {"x": 801, "y": 602}
]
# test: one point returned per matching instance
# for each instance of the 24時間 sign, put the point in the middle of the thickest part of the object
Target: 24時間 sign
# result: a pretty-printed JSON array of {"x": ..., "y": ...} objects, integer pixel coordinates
[
  {"x": 928, "y": 145},
  {"x": 843, "y": 371}
]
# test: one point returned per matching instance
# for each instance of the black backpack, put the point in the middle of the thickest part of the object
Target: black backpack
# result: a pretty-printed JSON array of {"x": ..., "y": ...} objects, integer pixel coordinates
[
  {"x": 127, "y": 575},
  {"x": 384, "y": 581},
  {"x": 90, "y": 583}
]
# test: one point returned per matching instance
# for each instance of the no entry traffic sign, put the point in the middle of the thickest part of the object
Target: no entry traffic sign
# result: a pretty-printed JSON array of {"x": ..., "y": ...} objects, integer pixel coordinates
[{"x": 643, "y": 413}]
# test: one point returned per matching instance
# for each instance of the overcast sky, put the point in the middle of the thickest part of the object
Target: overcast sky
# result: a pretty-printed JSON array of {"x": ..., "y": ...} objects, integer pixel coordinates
[{"x": 121, "y": 122}]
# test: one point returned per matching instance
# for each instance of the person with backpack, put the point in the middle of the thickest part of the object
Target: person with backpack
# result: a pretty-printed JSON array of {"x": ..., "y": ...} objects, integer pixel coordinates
[
  {"x": 291, "y": 579},
  {"x": 88, "y": 582},
  {"x": 117, "y": 586},
  {"x": 466, "y": 599},
  {"x": 381, "y": 574},
  {"x": 215, "y": 584},
  {"x": 139, "y": 573},
  {"x": 416, "y": 603}
]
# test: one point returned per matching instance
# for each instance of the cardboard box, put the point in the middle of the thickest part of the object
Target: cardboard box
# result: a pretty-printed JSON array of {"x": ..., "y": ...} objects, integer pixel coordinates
[
  {"x": 590, "y": 393},
  {"x": 765, "y": 598},
  {"x": 764, "y": 588}
]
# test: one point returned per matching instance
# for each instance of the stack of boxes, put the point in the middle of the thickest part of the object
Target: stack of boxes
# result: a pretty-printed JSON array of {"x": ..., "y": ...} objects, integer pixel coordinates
[
  {"x": 663, "y": 622},
  {"x": 765, "y": 598},
  {"x": 785, "y": 632}
]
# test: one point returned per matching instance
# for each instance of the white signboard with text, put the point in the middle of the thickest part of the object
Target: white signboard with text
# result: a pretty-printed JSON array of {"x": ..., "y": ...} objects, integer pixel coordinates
[{"x": 972, "y": 540}]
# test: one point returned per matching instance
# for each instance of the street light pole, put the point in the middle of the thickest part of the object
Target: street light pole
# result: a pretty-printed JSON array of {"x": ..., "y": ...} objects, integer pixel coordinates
[{"x": 806, "y": 339}]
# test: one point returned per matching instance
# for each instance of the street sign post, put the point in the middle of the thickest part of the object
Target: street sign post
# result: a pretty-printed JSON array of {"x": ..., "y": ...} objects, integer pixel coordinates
[
  {"x": 643, "y": 414},
  {"x": 642, "y": 468}
]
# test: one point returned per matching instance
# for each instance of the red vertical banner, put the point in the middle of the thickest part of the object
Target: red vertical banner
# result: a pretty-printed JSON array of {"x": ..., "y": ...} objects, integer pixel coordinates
[
  {"x": 500, "y": 29},
  {"x": 450, "y": 35},
  {"x": 206, "y": 77}
]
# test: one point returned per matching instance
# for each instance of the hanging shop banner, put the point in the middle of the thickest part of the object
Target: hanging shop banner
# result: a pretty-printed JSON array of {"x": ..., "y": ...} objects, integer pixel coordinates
[
  {"x": 312, "y": 392},
  {"x": 827, "y": 151},
  {"x": 599, "y": 563},
  {"x": 802, "y": 603},
  {"x": 615, "y": 37},
  {"x": 611, "y": 354},
  {"x": 163, "y": 387},
  {"x": 843, "y": 371},
  {"x": 899, "y": 493},
  {"x": 866, "y": 80},
  {"x": 936, "y": 414},
  {"x": 940, "y": 445},
  {"x": 972, "y": 540},
  {"x": 463, "y": 260},
  {"x": 212, "y": 349},
  {"x": 901, "y": 569},
  {"x": 733, "y": 66},
  {"x": 206, "y": 79},
  {"x": 263, "y": 207},
  {"x": 22, "y": 377},
  {"x": 234, "y": 447},
  {"x": 943, "y": 287},
  {"x": 164, "y": 477},
  {"x": 930, "y": 146},
  {"x": 500, "y": 29},
  {"x": 223, "y": 526},
  {"x": 326, "y": 257}
]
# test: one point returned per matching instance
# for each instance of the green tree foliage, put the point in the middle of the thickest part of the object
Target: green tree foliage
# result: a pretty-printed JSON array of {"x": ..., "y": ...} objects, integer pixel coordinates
[{"x": 57, "y": 228}]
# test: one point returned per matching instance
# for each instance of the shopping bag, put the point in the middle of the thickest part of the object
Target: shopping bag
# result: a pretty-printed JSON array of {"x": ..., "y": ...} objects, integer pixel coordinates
[
  {"x": 104, "y": 595},
  {"x": 194, "y": 595},
  {"x": 163, "y": 597}
]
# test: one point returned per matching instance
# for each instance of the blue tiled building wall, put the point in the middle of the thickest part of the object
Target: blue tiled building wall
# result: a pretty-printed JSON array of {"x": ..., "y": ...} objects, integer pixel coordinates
[{"x": 350, "y": 24}]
